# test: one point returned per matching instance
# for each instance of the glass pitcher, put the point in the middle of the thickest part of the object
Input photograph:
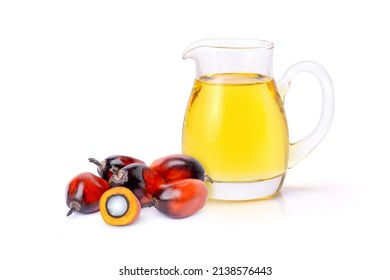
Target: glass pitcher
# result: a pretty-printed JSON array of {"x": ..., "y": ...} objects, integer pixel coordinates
[{"x": 235, "y": 123}]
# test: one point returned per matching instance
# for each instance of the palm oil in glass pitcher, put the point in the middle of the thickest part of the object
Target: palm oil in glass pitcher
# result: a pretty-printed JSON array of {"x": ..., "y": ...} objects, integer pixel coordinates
[{"x": 235, "y": 123}]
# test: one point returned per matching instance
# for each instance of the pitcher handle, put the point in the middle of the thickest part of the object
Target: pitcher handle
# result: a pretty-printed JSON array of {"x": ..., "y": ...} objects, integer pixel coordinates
[{"x": 299, "y": 150}]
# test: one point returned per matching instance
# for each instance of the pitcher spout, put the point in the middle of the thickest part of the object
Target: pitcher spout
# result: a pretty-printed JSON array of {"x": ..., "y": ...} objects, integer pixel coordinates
[
  {"x": 225, "y": 55},
  {"x": 194, "y": 48},
  {"x": 189, "y": 52},
  {"x": 196, "y": 51}
]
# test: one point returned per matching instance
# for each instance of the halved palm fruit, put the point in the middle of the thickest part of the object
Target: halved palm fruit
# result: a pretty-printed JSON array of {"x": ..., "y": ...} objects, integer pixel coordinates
[{"x": 119, "y": 206}]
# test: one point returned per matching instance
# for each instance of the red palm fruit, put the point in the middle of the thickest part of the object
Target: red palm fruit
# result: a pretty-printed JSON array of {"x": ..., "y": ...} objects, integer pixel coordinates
[
  {"x": 118, "y": 161},
  {"x": 83, "y": 193},
  {"x": 180, "y": 199},
  {"x": 178, "y": 167},
  {"x": 139, "y": 178}
]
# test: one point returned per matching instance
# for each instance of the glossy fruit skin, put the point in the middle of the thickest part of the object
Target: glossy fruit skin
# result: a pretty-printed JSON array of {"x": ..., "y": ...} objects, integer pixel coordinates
[
  {"x": 182, "y": 198},
  {"x": 83, "y": 193},
  {"x": 118, "y": 161},
  {"x": 140, "y": 179},
  {"x": 178, "y": 167}
]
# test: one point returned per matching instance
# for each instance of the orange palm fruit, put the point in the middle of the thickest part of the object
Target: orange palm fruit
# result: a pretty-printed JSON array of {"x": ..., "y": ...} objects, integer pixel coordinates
[{"x": 119, "y": 206}]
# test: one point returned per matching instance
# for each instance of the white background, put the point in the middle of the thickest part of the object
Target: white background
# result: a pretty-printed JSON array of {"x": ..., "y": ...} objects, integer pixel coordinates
[{"x": 82, "y": 79}]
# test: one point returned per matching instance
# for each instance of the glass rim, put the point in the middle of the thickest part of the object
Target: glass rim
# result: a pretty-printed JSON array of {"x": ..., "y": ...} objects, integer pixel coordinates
[{"x": 234, "y": 43}]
